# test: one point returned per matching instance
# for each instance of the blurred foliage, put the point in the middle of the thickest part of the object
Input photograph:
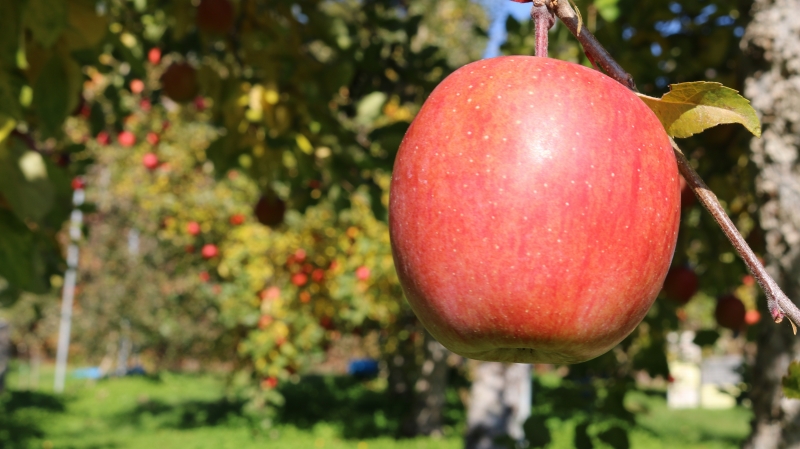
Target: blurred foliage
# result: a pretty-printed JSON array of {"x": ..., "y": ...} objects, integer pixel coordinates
[{"x": 303, "y": 102}]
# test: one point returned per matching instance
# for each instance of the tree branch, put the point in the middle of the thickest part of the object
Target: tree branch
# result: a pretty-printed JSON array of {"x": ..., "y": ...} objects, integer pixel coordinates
[{"x": 780, "y": 305}]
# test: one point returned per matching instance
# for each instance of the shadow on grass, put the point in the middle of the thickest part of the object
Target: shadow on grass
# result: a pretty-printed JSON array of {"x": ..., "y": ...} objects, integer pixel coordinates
[
  {"x": 186, "y": 415},
  {"x": 22, "y": 414},
  {"x": 344, "y": 402}
]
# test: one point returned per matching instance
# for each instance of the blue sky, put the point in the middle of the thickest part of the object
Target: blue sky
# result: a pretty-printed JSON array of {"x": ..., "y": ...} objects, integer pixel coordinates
[{"x": 499, "y": 12}]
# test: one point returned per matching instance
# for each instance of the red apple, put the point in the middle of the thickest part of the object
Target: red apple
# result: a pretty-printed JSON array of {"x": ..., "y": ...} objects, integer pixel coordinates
[
  {"x": 193, "y": 228},
  {"x": 204, "y": 276},
  {"x": 137, "y": 86},
  {"x": 152, "y": 138},
  {"x": 126, "y": 139},
  {"x": 154, "y": 55},
  {"x": 215, "y": 16},
  {"x": 730, "y": 312},
  {"x": 150, "y": 161},
  {"x": 270, "y": 210},
  {"x": 362, "y": 273},
  {"x": 78, "y": 183},
  {"x": 209, "y": 251},
  {"x": 269, "y": 383},
  {"x": 318, "y": 275},
  {"x": 299, "y": 279},
  {"x": 680, "y": 284},
  {"x": 236, "y": 219},
  {"x": 103, "y": 138},
  {"x": 270, "y": 293},
  {"x": 752, "y": 317},
  {"x": 534, "y": 211},
  {"x": 264, "y": 321},
  {"x": 179, "y": 82}
]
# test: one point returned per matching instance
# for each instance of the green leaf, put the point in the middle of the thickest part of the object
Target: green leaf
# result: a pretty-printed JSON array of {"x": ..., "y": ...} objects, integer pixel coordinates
[
  {"x": 46, "y": 19},
  {"x": 54, "y": 92},
  {"x": 791, "y": 381},
  {"x": 9, "y": 96},
  {"x": 7, "y": 125},
  {"x": 9, "y": 33},
  {"x": 24, "y": 181},
  {"x": 86, "y": 28},
  {"x": 706, "y": 337},
  {"x": 691, "y": 108},
  {"x": 21, "y": 263},
  {"x": 608, "y": 9}
]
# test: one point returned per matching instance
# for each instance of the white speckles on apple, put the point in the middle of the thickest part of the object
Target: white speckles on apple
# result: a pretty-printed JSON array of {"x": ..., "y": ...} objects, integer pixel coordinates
[
  {"x": 477, "y": 107},
  {"x": 612, "y": 174}
]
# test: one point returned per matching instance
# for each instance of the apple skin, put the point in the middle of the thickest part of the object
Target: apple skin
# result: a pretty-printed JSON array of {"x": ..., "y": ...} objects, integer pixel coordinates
[
  {"x": 530, "y": 223},
  {"x": 179, "y": 82}
]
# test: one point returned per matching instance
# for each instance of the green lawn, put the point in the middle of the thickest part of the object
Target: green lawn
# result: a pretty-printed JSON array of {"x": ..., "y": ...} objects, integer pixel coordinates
[{"x": 191, "y": 411}]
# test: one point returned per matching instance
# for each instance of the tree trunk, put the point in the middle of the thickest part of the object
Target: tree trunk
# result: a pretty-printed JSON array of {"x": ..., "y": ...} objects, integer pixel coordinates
[
  {"x": 772, "y": 40},
  {"x": 429, "y": 390},
  {"x": 500, "y": 403},
  {"x": 5, "y": 352}
]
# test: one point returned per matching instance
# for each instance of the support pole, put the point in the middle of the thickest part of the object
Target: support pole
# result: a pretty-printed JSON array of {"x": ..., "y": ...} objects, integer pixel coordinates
[{"x": 68, "y": 295}]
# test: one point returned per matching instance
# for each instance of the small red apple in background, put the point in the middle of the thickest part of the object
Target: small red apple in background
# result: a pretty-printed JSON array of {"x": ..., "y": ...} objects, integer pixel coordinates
[
  {"x": 78, "y": 183},
  {"x": 299, "y": 279},
  {"x": 264, "y": 321},
  {"x": 730, "y": 312},
  {"x": 154, "y": 55},
  {"x": 300, "y": 255},
  {"x": 179, "y": 82},
  {"x": 270, "y": 293},
  {"x": 571, "y": 219},
  {"x": 145, "y": 105},
  {"x": 126, "y": 139},
  {"x": 362, "y": 273},
  {"x": 752, "y": 317},
  {"x": 270, "y": 210},
  {"x": 318, "y": 275},
  {"x": 200, "y": 103},
  {"x": 236, "y": 219},
  {"x": 269, "y": 383},
  {"x": 204, "y": 276},
  {"x": 137, "y": 86},
  {"x": 680, "y": 284},
  {"x": 152, "y": 138},
  {"x": 214, "y": 16},
  {"x": 150, "y": 161},
  {"x": 189, "y": 249},
  {"x": 748, "y": 280},
  {"x": 326, "y": 323},
  {"x": 209, "y": 251},
  {"x": 103, "y": 138},
  {"x": 193, "y": 228}
]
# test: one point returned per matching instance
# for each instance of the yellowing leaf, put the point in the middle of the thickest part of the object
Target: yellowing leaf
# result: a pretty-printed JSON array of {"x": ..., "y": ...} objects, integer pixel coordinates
[{"x": 691, "y": 108}]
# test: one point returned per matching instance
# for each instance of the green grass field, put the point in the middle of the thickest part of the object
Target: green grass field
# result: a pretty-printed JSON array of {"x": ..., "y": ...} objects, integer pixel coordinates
[{"x": 191, "y": 411}]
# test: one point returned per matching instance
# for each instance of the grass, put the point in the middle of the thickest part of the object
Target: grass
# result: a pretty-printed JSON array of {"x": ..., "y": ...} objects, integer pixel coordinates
[{"x": 191, "y": 411}]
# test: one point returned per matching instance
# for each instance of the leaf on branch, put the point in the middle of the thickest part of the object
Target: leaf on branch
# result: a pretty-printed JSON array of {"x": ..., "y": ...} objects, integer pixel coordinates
[
  {"x": 691, "y": 108},
  {"x": 24, "y": 181},
  {"x": 791, "y": 381}
]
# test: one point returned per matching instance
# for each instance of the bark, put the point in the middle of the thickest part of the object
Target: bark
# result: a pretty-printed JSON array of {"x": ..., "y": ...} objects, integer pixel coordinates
[
  {"x": 429, "y": 390},
  {"x": 500, "y": 403},
  {"x": 5, "y": 352},
  {"x": 772, "y": 41}
]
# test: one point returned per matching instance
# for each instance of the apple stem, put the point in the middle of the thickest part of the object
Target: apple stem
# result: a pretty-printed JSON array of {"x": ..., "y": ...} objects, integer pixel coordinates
[
  {"x": 543, "y": 20},
  {"x": 780, "y": 306}
]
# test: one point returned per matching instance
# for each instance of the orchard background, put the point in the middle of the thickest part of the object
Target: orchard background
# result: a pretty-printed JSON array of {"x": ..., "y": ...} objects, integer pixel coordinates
[{"x": 236, "y": 158}]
